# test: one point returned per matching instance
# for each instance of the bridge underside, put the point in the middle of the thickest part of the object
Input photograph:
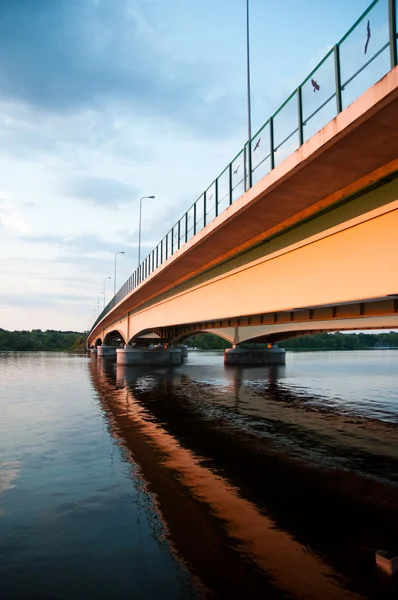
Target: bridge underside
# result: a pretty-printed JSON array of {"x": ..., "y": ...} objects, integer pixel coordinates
[
  {"x": 342, "y": 278},
  {"x": 276, "y": 327}
]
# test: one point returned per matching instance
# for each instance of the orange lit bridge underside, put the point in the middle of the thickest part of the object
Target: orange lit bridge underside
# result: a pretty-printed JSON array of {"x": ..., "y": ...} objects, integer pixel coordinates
[
  {"x": 342, "y": 278},
  {"x": 350, "y": 260}
]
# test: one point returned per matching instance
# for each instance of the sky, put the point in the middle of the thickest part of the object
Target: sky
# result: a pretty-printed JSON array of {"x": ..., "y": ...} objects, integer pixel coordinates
[{"x": 105, "y": 101}]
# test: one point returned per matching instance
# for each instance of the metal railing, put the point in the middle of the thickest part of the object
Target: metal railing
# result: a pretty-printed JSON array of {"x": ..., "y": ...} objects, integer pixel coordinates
[{"x": 339, "y": 76}]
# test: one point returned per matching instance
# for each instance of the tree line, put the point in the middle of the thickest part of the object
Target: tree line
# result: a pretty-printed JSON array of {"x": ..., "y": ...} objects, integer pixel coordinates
[
  {"x": 319, "y": 341},
  {"x": 40, "y": 340},
  {"x": 53, "y": 340}
]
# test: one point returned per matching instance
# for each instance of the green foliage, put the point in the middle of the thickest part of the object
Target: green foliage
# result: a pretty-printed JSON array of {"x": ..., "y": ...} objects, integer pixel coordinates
[
  {"x": 342, "y": 341},
  {"x": 40, "y": 340},
  {"x": 320, "y": 341},
  {"x": 207, "y": 341}
]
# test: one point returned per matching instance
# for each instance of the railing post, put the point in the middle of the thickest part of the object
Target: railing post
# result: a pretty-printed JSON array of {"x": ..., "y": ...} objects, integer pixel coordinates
[
  {"x": 392, "y": 18},
  {"x": 167, "y": 246},
  {"x": 204, "y": 209},
  {"x": 172, "y": 241},
  {"x": 337, "y": 78},
  {"x": 300, "y": 115},
  {"x": 194, "y": 218},
  {"x": 231, "y": 190},
  {"x": 157, "y": 256},
  {"x": 161, "y": 252},
  {"x": 271, "y": 144},
  {"x": 178, "y": 233},
  {"x": 216, "y": 197},
  {"x": 186, "y": 227}
]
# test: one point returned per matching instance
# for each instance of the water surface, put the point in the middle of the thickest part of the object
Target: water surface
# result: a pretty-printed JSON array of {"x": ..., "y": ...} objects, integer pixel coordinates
[{"x": 197, "y": 481}]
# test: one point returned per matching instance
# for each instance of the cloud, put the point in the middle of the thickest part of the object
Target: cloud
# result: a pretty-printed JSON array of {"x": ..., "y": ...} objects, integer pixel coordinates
[
  {"x": 10, "y": 217},
  {"x": 102, "y": 191},
  {"x": 78, "y": 244},
  {"x": 72, "y": 55},
  {"x": 39, "y": 299}
]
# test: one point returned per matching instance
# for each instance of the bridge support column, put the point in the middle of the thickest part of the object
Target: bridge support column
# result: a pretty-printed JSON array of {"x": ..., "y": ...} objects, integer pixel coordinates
[
  {"x": 105, "y": 350},
  {"x": 183, "y": 348},
  {"x": 254, "y": 356},
  {"x": 93, "y": 351},
  {"x": 152, "y": 357}
]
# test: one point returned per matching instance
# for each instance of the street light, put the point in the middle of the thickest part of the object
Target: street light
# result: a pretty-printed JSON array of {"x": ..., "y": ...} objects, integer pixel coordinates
[
  {"x": 248, "y": 161},
  {"x": 114, "y": 277},
  {"x": 99, "y": 294},
  {"x": 105, "y": 278},
  {"x": 139, "y": 229},
  {"x": 249, "y": 111}
]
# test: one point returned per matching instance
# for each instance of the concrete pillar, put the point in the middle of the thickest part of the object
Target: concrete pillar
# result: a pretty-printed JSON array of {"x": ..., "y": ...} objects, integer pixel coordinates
[
  {"x": 183, "y": 348},
  {"x": 93, "y": 351},
  {"x": 105, "y": 350},
  {"x": 151, "y": 357},
  {"x": 254, "y": 356}
]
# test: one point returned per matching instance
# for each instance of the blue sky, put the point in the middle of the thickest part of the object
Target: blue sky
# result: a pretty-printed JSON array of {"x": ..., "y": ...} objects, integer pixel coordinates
[{"x": 103, "y": 101}]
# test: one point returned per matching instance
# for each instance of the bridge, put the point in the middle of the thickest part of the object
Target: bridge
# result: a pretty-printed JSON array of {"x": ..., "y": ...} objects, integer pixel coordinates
[{"x": 297, "y": 235}]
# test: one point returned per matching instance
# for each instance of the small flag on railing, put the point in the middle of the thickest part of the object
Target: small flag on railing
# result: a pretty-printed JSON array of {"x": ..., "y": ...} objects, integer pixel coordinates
[
  {"x": 257, "y": 144},
  {"x": 236, "y": 170},
  {"x": 367, "y": 36}
]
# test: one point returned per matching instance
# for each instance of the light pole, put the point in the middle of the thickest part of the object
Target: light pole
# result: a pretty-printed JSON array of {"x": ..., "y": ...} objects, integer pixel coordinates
[
  {"x": 249, "y": 110},
  {"x": 114, "y": 276},
  {"x": 105, "y": 278},
  {"x": 99, "y": 294},
  {"x": 248, "y": 161},
  {"x": 139, "y": 229}
]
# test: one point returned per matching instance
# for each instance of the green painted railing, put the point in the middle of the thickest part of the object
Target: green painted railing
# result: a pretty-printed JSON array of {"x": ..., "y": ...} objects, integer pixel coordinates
[{"x": 365, "y": 54}]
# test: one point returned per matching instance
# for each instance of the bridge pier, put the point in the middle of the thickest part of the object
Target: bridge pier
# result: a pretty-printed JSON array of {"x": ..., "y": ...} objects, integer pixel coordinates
[
  {"x": 93, "y": 351},
  {"x": 150, "y": 357},
  {"x": 106, "y": 351},
  {"x": 183, "y": 348},
  {"x": 254, "y": 356}
]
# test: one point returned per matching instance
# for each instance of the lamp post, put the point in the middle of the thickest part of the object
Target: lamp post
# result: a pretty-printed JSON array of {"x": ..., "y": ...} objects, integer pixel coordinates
[
  {"x": 139, "y": 229},
  {"x": 99, "y": 294},
  {"x": 249, "y": 110},
  {"x": 105, "y": 278},
  {"x": 114, "y": 277},
  {"x": 248, "y": 154}
]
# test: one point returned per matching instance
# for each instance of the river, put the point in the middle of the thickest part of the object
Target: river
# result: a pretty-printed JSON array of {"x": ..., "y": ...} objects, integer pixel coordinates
[{"x": 199, "y": 481}]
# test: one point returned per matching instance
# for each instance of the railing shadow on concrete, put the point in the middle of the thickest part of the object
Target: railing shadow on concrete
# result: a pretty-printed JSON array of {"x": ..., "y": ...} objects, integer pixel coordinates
[{"x": 363, "y": 56}]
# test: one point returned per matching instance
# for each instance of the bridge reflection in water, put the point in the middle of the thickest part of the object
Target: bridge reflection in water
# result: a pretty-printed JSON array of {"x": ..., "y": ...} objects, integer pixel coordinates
[{"x": 248, "y": 517}]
